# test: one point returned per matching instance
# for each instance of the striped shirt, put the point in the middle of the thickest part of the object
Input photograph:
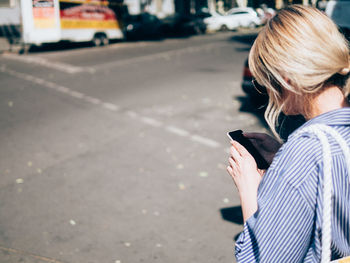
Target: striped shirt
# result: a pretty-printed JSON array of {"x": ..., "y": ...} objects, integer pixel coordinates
[{"x": 287, "y": 226}]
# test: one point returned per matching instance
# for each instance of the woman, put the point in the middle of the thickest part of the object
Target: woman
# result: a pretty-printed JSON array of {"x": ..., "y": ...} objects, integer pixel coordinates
[{"x": 303, "y": 61}]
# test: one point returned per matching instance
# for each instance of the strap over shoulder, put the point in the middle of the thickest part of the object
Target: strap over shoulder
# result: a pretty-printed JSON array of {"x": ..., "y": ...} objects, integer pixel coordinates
[
  {"x": 319, "y": 129},
  {"x": 324, "y": 133}
]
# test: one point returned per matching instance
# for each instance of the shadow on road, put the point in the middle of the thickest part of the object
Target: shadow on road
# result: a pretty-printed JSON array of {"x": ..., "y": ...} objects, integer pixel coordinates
[
  {"x": 63, "y": 45},
  {"x": 67, "y": 45},
  {"x": 245, "y": 38},
  {"x": 233, "y": 215}
]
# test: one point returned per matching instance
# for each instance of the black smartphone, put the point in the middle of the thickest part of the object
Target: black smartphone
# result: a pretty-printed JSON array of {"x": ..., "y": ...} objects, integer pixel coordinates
[{"x": 238, "y": 136}]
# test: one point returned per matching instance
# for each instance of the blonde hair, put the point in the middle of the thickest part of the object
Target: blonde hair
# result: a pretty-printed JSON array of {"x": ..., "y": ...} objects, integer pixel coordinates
[{"x": 300, "y": 50}]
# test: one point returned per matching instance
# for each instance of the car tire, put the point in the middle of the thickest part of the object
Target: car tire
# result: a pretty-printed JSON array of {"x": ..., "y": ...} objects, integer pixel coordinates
[
  {"x": 100, "y": 40},
  {"x": 252, "y": 25},
  {"x": 224, "y": 28},
  {"x": 197, "y": 30}
]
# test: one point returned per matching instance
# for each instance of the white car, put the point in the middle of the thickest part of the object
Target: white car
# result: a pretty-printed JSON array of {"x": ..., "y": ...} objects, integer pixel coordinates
[
  {"x": 244, "y": 17},
  {"x": 217, "y": 22},
  {"x": 237, "y": 17}
]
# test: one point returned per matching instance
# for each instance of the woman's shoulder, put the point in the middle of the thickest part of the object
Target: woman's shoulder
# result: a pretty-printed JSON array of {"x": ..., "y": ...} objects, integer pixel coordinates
[
  {"x": 299, "y": 148},
  {"x": 298, "y": 160},
  {"x": 294, "y": 166}
]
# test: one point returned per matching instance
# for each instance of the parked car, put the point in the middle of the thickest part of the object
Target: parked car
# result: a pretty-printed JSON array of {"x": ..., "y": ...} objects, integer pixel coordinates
[
  {"x": 339, "y": 12},
  {"x": 244, "y": 17},
  {"x": 218, "y": 22},
  {"x": 182, "y": 25},
  {"x": 256, "y": 93},
  {"x": 142, "y": 26}
]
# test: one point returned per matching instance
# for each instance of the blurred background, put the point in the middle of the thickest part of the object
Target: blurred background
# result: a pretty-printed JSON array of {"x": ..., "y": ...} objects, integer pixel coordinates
[{"x": 113, "y": 122}]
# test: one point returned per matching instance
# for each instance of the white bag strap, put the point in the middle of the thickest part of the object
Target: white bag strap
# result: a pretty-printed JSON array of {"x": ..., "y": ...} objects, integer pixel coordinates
[{"x": 321, "y": 131}]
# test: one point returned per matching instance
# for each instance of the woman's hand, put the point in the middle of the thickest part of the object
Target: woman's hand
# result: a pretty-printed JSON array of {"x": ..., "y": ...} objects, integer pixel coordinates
[
  {"x": 265, "y": 144},
  {"x": 246, "y": 175}
]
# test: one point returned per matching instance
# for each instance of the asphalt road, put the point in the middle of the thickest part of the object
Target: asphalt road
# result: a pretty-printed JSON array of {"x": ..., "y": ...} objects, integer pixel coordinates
[{"x": 118, "y": 154}]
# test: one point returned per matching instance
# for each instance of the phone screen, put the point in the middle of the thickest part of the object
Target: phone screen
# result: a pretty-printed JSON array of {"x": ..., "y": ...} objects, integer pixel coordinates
[{"x": 238, "y": 136}]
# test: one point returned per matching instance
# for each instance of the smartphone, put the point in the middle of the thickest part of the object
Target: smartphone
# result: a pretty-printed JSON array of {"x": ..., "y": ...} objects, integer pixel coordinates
[{"x": 246, "y": 143}]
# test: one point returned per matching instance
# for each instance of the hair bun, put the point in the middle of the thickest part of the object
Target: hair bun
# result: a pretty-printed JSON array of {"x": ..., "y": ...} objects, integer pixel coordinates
[{"x": 344, "y": 71}]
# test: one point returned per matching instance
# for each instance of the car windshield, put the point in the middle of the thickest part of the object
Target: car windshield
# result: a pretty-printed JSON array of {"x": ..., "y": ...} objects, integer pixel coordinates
[{"x": 239, "y": 13}]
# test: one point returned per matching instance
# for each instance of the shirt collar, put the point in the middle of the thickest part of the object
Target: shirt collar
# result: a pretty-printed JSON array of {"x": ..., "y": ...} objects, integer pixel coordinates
[{"x": 332, "y": 118}]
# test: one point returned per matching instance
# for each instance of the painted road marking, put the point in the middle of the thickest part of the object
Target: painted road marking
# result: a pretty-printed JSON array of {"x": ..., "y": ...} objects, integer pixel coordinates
[
  {"x": 151, "y": 121},
  {"x": 205, "y": 141},
  {"x": 71, "y": 69},
  {"x": 160, "y": 55},
  {"x": 111, "y": 107},
  {"x": 66, "y": 68},
  {"x": 132, "y": 114},
  {"x": 177, "y": 131},
  {"x": 77, "y": 95},
  {"x": 58, "y": 88},
  {"x": 92, "y": 100}
]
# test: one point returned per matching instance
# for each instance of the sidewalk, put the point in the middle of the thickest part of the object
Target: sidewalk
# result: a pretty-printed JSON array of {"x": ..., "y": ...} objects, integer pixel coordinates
[{"x": 4, "y": 45}]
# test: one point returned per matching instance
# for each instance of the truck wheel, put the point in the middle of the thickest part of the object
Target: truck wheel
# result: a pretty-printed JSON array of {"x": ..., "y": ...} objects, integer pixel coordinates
[
  {"x": 100, "y": 40},
  {"x": 105, "y": 41},
  {"x": 24, "y": 49}
]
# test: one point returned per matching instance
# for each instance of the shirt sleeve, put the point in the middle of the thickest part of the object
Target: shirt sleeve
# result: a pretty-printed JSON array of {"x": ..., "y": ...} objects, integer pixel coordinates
[
  {"x": 281, "y": 229},
  {"x": 279, "y": 232}
]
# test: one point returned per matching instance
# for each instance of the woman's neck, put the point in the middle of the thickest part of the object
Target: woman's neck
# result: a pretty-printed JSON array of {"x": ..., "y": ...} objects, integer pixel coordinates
[{"x": 329, "y": 99}]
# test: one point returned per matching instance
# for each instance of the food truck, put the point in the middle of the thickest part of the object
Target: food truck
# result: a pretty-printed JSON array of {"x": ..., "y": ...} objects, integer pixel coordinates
[{"x": 48, "y": 21}]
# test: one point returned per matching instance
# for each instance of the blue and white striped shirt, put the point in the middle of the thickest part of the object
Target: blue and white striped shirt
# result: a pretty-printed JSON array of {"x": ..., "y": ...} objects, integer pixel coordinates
[{"x": 287, "y": 226}]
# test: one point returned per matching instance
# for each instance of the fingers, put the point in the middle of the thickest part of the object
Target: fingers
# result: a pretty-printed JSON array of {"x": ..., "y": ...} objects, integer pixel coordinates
[
  {"x": 232, "y": 162},
  {"x": 240, "y": 149},
  {"x": 230, "y": 171},
  {"x": 232, "y": 168},
  {"x": 235, "y": 154}
]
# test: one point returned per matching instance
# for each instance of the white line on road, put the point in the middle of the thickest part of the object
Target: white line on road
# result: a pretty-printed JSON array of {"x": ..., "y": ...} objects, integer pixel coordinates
[
  {"x": 111, "y": 107},
  {"x": 177, "y": 131},
  {"x": 132, "y": 114},
  {"x": 77, "y": 94},
  {"x": 58, "y": 88},
  {"x": 160, "y": 55},
  {"x": 92, "y": 100},
  {"x": 205, "y": 141},
  {"x": 67, "y": 68},
  {"x": 151, "y": 121}
]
